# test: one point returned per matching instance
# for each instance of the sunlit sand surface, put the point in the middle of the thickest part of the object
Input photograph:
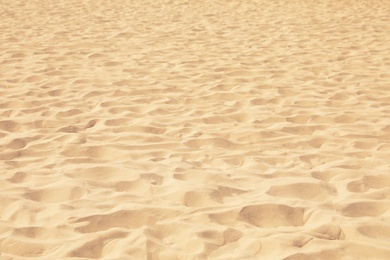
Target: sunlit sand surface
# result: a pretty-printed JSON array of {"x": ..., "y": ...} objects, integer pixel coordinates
[{"x": 194, "y": 129}]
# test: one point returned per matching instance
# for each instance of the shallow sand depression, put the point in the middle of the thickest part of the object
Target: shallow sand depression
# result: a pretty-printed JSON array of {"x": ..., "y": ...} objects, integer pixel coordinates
[{"x": 194, "y": 129}]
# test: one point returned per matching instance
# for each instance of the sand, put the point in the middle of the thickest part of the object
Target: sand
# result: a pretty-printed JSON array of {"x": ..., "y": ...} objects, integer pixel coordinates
[{"x": 194, "y": 129}]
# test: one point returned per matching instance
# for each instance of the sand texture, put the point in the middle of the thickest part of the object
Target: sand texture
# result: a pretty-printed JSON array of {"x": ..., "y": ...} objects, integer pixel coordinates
[{"x": 173, "y": 129}]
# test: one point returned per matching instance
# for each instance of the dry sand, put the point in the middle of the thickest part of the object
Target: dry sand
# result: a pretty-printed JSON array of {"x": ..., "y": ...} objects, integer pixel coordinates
[{"x": 194, "y": 129}]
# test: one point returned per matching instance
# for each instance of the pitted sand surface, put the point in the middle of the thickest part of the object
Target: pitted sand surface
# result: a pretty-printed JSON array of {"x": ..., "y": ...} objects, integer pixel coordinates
[{"x": 194, "y": 129}]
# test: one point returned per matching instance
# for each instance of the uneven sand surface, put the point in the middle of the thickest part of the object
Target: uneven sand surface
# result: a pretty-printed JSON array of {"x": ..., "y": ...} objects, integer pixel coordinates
[{"x": 194, "y": 129}]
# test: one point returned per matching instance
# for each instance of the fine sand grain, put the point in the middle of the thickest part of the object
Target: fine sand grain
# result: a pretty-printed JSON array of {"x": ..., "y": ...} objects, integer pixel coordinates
[{"x": 174, "y": 129}]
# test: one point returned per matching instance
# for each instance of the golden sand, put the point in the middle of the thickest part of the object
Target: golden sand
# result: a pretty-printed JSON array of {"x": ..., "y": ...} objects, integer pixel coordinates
[{"x": 194, "y": 129}]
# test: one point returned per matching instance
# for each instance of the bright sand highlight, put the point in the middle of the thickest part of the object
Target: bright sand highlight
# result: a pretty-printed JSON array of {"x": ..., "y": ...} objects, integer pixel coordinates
[{"x": 194, "y": 129}]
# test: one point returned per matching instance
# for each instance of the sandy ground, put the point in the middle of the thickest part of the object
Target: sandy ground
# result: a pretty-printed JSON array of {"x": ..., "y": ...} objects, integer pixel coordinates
[{"x": 194, "y": 129}]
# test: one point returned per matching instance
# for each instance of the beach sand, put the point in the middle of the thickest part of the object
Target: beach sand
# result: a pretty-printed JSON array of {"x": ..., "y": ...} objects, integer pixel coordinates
[{"x": 194, "y": 129}]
